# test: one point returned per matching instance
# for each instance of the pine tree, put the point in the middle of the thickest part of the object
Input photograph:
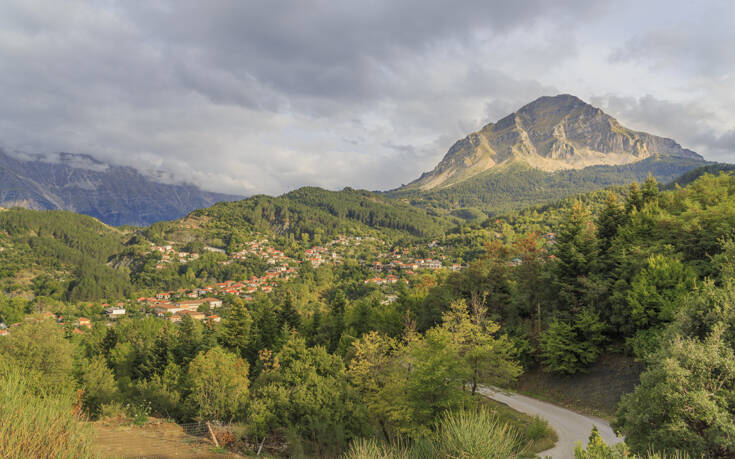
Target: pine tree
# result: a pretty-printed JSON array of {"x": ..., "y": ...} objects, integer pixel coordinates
[
  {"x": 268, "y": 329},
  {"x": 635, "y": 199},
  {"x": 236, "y": 329},
  {"x": 649, "y": 193},
  {"x": 576, "y": 253},
  {"x": 288, "y": 315},
  {"x": 610, "y": 218}
]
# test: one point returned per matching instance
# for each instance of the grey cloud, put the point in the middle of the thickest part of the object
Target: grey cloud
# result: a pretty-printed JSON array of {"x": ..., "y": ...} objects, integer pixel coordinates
[
  {"x": 248, "y": 97},
  {"x": 699, "y": 43},
  {"x": 342, "y": 50},
  {"x": 691, "y": 124}
]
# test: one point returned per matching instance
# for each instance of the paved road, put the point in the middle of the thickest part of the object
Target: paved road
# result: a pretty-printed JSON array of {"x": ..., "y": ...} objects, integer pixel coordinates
[{"x": 570, "y": 426}]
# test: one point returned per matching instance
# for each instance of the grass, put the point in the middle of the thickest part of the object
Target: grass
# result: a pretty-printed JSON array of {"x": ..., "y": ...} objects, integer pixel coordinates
[
  {"x": 36, "y": 424},
  {"x": 475, "y": 433}
]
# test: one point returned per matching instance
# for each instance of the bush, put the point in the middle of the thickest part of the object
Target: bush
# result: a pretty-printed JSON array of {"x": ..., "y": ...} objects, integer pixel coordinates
[
  {"x": 569, "y": 347},
  {"x": 538, "y": 429},
  {"x": 598, "y": 449},
  {"x": 112, "y": 410}
]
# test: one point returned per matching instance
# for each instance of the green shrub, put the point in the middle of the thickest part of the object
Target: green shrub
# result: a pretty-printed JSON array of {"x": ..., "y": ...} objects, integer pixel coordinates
[
  {"x": 112, "y": 410},
  {"x": 598, "y": 449},
  {"x": 538, "y": 429}
]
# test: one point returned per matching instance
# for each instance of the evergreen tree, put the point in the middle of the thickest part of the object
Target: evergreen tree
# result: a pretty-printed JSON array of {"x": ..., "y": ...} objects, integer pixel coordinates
[
  {"x": 236, "y": 329},
  {"x": 337, "y": 319},
  {"x": 611, "y": 217},
  {"x": 635, "y": 199},
  {"x": 188, "y": 340},
  {"x": 649, "y": 191},
  {"x": 576, "y": 253},
  {"x": 567, "y": 347},
  {"x": 288, "y": 315},
  {"x": 268, "y": 329}
]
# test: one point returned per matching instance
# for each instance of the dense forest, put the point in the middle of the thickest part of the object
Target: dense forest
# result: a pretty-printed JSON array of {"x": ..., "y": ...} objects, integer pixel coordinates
[{"x": 327, "y": 364}]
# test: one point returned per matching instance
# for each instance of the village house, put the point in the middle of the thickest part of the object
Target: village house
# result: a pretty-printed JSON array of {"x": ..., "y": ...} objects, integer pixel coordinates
[
  {"x": 48, "y": 315},
  {"x": 114, "y": 312},
  {"x": 213, "y": 302},
  {"x": 84, "y": 322},
  {"x": 430, "y": 264},
  {"x": 163, "y": 309},
  {"x": 193, "y": 314},
  {"x": 190, "y": 305}
]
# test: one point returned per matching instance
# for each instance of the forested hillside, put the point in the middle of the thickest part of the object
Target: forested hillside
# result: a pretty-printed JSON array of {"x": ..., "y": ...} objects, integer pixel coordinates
[
  {"x": 315, "y": 211},
  {"x": 60, "y": 254},
  {"x": 518, "y": 185}
]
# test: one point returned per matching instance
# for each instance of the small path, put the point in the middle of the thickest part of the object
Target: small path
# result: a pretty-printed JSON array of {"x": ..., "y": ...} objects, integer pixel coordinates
[
  {"x": 571, "y": 427},
  {"x": 160, "y": 441}
]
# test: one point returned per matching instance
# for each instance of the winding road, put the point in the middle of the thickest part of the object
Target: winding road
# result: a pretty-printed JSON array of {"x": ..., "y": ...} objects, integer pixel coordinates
[{"x": 571, "y": 427}]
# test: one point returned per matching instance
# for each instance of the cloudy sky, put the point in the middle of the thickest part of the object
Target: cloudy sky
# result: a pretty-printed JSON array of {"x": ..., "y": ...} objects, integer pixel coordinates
[{"x": 264, "y": 96}]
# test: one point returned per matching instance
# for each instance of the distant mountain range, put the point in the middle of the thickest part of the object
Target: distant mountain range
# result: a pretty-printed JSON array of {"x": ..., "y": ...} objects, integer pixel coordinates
[
  {"x": 116, "y": 195},
  {"x": 549, "y": 134}
]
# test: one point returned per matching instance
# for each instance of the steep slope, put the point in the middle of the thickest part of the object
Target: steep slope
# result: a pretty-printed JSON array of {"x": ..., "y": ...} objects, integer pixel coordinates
[
  {"x": 549, "y": 134},
  {"x": 114, "y": 194},
  {"x": 516, "y": 185}
]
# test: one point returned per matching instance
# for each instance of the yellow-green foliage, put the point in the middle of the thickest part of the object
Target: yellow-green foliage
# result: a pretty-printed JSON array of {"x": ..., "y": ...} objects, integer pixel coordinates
[
  {"x": 34, "y": 424},
  {"x": 459, "y": 434},
  {"x": 598, "y": 449}
]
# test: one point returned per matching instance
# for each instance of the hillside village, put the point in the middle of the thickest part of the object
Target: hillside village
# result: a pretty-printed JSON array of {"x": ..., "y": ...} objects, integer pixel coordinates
[
  {"x": 202, "y": 303},
  {"x": 387, "y": 266}
]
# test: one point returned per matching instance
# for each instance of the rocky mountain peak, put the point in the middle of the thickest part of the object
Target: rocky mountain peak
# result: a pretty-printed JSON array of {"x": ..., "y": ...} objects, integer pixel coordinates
[{"x": 551, "y": 133}]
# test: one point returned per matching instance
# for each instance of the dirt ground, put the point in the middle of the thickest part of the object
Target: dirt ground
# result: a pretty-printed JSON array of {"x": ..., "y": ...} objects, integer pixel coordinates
[{"x": 164, "y": 440}]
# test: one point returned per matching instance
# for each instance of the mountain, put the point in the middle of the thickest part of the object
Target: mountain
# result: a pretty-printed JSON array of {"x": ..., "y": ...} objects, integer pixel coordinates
[
  {"x": 116, "y": 195},
  {"x": 549, "y": 134}
]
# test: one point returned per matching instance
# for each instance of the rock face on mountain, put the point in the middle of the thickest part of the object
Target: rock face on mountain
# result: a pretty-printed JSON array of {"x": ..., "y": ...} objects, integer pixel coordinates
[
  {"x": 550, "y": 134},
  {"x": 116, "y": 195}
]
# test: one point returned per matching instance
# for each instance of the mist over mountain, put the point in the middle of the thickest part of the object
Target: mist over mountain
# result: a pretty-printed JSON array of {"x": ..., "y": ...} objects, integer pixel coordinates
[{"x": 116, "y": 195}]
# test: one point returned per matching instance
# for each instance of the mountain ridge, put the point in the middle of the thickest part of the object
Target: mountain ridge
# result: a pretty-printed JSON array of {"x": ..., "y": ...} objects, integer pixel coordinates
[
  {"x": 116, "y": 195},
  {"x": 552, "y": 133}
]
